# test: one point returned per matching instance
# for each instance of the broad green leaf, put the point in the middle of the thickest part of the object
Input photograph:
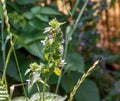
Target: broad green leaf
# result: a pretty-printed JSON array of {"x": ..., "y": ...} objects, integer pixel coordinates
[
  {"x": 49, "y": 11},
  {"x": 35, "y": 9},
  {"x": 22, "y": 2},
  {"x": 88, "y": 91},
  {"x": 21, "y": 41},
  {"x": 17, "y": 19},
  {"x": 29, "y": 15},
  {"x": 53, "y": 79},
  {"x": 31, "y": 37},
  {"x": 36, "y": 49},
  {"x": 11, "y": 69},
  {"x": 48, "y": 97},
  {"x": 74, "y": 62},
  {"x": 37, "y": 24},
  {"x": 68, "y": 81},
  {"x": 42, "y": 17},
  {"x": 32, "y": 44},
  {"x": 19, "y": 99}
]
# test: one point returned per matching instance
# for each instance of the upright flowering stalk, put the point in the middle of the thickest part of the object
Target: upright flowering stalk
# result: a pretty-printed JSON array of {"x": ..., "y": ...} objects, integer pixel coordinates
[
  {"x": 53, "y": 52},
  {"x": 53, "y": 46}
]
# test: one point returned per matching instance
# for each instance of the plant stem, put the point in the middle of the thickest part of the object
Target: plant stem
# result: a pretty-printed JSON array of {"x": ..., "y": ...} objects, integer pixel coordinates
[
  {"x": 19, "y": 72},
  {"x": 38, "y": 89},
  {"x": 79, "y": 16},
  {"x": 44, "y": 89},
  {"x": 2, "y": 35},
  {"x": 6, "y": 63},
  {"x": 67, "y": 41},
  {"x": 10, "y": 34},
  {"x": 75, "y": 6}
]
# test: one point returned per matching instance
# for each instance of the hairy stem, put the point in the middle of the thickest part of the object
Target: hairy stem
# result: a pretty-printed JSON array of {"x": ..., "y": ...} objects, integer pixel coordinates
[
  {"x": 44, "y": 89},
  {"x": 38, "y": 89}
]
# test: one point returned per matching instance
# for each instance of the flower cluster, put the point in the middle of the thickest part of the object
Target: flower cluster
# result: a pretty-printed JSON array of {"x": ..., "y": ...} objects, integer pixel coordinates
[
  {"x": 53, "y": 51},
  {"x": 53, "y": 46}
]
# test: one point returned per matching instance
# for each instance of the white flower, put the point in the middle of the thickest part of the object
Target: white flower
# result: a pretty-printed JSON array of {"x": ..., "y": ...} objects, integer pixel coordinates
[
  {"x": 61, "y": 49},
  {"x": 63, "y": 41},
  {"x": 43, "y": 42},
  {"x": 48, "y": 29},
  {"x": 28, "y": 81},
  {"x": 62, "y": 63}
]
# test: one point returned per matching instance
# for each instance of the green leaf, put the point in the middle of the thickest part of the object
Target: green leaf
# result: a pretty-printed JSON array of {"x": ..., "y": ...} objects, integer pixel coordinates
[
  {"x": 75, "y": 62},
  {"x": 88, "y": 91},
  {"x": 29, "y": 15},
  {"x": 37, "y": 24},
  {"x": 21, "y": 41},
  {"x": 18, "y": 19},
  {"x": 27, "y": 71},
  {"x": 22, "y": 2},
  {"x": 42, "y": 17},
  {"x": 68, "y": 81},
  {"x": 31, "y": 44},
  {"x": 19, "y": 99},
  {"x": 29, "y": 37},
  {"x": 53, "y": 79},
  {"x": 49, "y": 11},
  {"x": 35, "y": 9},
  {"x": 35, "y": 49},
  {"x": 48, "y": 97},
  {"x": 11, "y": 69},
  {"x": 46, "y": 56}
]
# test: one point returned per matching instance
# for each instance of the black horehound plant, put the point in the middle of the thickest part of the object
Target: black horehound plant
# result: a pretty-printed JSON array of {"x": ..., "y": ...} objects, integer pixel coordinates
[{"x": 53, "y": 52}]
